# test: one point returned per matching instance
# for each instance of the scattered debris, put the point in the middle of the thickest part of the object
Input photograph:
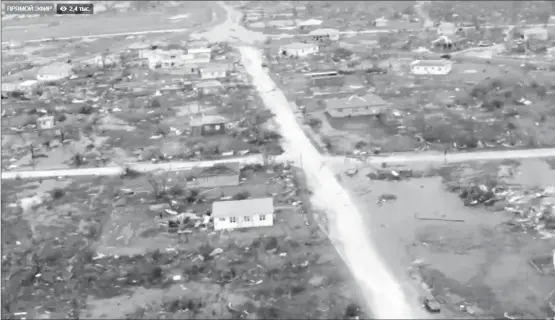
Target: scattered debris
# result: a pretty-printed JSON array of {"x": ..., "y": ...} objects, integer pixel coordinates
[
  {"x": 351, "y": 172},
  {"x": 437, "y": 219},
  {"x": 386, "y": 197}
]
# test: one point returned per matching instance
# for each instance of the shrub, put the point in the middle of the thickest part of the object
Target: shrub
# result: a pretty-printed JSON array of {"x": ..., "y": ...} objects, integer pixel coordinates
[
  {"x": 360, "y": 145},
  {"x": 58, "y": 193},
  {"x": 61, "y": 118},
  {"x": 241, "y": 195},
  {"x": 86, "y": 109},
  {"x": 327, "y": 142},
  {"x": 314, "y": 122}
]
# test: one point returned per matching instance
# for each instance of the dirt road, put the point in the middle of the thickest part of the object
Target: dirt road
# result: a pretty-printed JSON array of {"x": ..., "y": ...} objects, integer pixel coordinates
[
  {"x": 140, "y": 167},
  {"x": 383, "y": 293},
  {"x": 433, "y": 157}
]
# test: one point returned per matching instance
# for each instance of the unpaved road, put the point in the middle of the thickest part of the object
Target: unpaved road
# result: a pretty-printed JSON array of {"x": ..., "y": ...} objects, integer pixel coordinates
[
  {"x": 348, "y": 233},
  {"x": 140, "y": 167},
  {"x": 384, "y": 295},
  {"x": 435, "y": 157}
]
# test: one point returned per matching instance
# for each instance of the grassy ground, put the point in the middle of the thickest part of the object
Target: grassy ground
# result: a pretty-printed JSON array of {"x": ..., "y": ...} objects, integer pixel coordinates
[
  {"x": 117, "y": 258},
  {"x": 67, "y": 26},
  {"x": 476, "y": 257}
]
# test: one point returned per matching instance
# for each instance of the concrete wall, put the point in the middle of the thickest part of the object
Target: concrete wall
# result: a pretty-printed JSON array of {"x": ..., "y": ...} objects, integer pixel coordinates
[
  {"x": 255, "y": 221},
  {"x": 429, "y": 70}
]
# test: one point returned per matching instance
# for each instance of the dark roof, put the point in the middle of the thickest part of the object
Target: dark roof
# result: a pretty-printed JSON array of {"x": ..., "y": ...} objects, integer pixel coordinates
[
  {"x": 231, "y": 168},
  {"x": 237, "y": 208},
  {"x": 355, "y": 101}
]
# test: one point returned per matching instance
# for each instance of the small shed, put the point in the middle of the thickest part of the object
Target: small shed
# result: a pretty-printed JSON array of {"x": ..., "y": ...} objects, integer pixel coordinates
[
  {"x": 326, "y": 78},
  {"x": 45, "y": 122},
  {"x": 247, "y": 213},
  {"x": 207, "y": 125},
  {"x": 219, "y": 175},
  {"x": 381, "y": 22}
]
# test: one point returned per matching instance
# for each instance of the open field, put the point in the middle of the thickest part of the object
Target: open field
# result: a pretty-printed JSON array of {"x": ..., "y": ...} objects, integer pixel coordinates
[
  {"x": 102, "y": 248},
  {"x": 68, "y": 26},
  {"x": 476, "y": 260}
]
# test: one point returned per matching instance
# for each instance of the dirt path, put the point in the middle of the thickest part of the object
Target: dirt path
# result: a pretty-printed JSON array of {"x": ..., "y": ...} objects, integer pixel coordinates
[
  {"x": 435, "y": 157},
  {"x": 383, "y": 294},
  {"x": 141, "y": 167}
]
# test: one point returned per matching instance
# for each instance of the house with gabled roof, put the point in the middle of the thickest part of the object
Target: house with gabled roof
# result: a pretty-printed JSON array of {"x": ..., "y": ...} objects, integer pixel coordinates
[
  {"x": 219, "y": 175},
  {"x": 369, "y": 104},
  {"x": 246, "y": 213}
]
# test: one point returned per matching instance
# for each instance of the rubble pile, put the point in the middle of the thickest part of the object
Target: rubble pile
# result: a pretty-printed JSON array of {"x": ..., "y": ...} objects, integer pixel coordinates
[
  {"x": 390, "y": 174},
  {"x": 534, "y": 210}
]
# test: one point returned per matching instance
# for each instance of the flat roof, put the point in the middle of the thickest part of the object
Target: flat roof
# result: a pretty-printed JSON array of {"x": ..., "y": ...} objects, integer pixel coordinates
[
  {"x": 322, "y": 73},
  {"x": 431, "y": 63},
  {"x": 323, "y": 32},
  {"x": 241, "y": 208},
  {"x": 55, "y": 68},
  {"x": 355, "y": 101}
]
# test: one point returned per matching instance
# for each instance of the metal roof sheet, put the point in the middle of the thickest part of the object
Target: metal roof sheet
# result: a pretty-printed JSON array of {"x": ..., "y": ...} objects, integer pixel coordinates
[
  {"x": 355, "y": 101},
  {"x": 238, "y": 208}
]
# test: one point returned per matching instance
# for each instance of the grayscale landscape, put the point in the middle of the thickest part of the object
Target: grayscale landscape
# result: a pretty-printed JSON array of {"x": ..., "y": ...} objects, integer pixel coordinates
[{"x": 279, "y": 160}]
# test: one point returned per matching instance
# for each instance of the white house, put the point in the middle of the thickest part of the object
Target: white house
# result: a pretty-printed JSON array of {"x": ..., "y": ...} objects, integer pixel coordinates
[
  {"x": 298, "y": 49},
  {"x": 381, "y": 22},
  {"x": 199, "y": 51},
  {"x": 26, "y": 86},
  {"x": 431, "y": 67},
  {"x": 105, "y": 61},
  {"x": 243, "y": 213},
  {"x": 214, "y": 71},
  {"x": 54, "y": 72},
  {"x": 165, "y": 58},
  {"x": 45, "y": 122}
]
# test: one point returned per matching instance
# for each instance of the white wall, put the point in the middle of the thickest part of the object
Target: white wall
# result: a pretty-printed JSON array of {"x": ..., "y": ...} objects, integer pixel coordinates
[
  {"x": 199, "y": 51},
  {"x": 300, "y": 52},
  {"x": 240, "y": 223},
  {"x": 433, "y": 70},
  {"x": 52, "y": 77},
  {"x": 212, "y": 74}
]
